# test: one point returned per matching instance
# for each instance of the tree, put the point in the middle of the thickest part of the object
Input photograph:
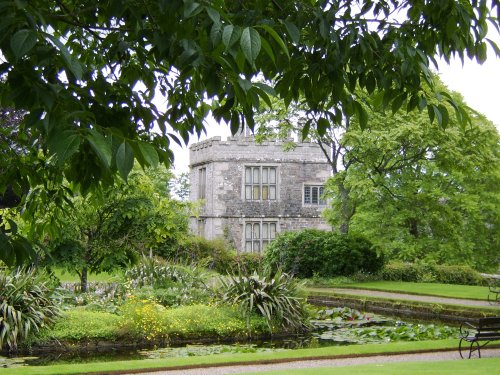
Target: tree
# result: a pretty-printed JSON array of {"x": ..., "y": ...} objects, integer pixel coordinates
[
  {"x": 87, "y": 74},
  {"x": 424, "y": 193},
  {"x": 111, "y": 230}
]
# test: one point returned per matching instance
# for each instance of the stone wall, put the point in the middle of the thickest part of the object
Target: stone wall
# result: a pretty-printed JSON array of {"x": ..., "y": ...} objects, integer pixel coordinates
[{"x": 225, "y": 207}]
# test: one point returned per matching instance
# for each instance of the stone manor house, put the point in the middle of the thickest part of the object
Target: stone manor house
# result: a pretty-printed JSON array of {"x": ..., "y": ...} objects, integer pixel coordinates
[{"x": 251, "y": 192}]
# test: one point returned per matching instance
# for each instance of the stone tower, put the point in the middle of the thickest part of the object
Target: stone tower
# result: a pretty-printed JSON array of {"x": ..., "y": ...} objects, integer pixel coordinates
[{"x": 251, "y": 192}]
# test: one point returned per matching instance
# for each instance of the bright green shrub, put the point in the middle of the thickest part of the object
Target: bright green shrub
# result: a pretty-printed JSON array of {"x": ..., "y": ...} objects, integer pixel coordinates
[
  {"x": 323, "y": 254},
  {"x": 26, "y": 305},
  {"x": 80, "y": 324}
]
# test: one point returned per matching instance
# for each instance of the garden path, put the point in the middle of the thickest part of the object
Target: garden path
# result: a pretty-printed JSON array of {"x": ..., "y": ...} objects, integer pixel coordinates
[
  {"x": 404, "y": 296},
  {"x": 379, "y": 359}
]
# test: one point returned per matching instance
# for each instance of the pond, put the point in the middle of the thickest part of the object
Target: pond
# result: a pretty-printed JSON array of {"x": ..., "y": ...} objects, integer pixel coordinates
[{"x": 331, "y": 326}]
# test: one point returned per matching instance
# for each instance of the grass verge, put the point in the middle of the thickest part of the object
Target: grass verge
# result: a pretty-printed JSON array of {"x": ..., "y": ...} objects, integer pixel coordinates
[
  {"x": 212, "y": 360},
  {"x": 473, "y": 367},
  {"x": 430, "y": 289}
]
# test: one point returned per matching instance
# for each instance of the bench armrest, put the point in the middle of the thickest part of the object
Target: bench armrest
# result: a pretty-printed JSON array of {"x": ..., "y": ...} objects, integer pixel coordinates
[{"x": 466, "y": 328}]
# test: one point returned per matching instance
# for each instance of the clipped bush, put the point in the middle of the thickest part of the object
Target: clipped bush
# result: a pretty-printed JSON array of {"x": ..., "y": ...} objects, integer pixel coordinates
[
  {"x": 463, "y": 275},
  {"x": 276, "y": 298},
  {"x": 399, "y": 271},
  {"x": 313, "y": 252},
  {"x": 419, "y": 273},
  {"x": 26, "y": 305}
]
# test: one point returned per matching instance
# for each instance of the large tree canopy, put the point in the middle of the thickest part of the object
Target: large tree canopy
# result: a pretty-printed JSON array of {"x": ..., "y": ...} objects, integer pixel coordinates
[{"x": 90, "y": 74}]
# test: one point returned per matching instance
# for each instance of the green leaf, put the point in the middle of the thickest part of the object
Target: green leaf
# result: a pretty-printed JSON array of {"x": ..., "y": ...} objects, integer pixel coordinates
[
  {"x": 191, "y": 9},
  {"x": 124, "y": 159},
  {"x": 293, "y": 31},
  {"x": 64, "y": 144},
  {"x": 22, "y": 42},
  {"x": 397, "y": 103},
  {"x": 235, "y": 122},
  {"x": 245, "y": 84},
  {"x": 216, "y": 34},
  {"x": 250, "y": 44},
  {"x": 71, "y": 63},
  {"x": 323, "y": 125},
  {"x": 444, "y": 115},
  {"x": 213, "y": 14},
  {"x": 362, "y": 115},
  {"x": 230, "y": 35},
  {"x": 101, "y": 146},
  {"x": 149, "y": 154},
  {"x": 276, "y": 37},
  {"x": 268, "y": 50}
]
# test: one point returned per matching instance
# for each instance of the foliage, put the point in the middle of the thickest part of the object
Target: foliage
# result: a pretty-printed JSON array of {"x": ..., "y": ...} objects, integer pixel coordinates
[
  {"x": 110, "y": 230},
  {"x": 276, "y": 298},
  {"x": 180, "y": 186},
  {"x": 167, "y": 283},
  {"x": 414, "y": 272},
  {"x": 401, "y": 332},
  {"x": 26, "y": 305},
  {"x": 146, "y": 319},
  {"x": 87, "y": 76},
  {"x": 214, "y": 254},
  {"x": 344, "y": 313},
  {"x": 424, "y": 192},
  {"x": 100, "y": 296},
  {"x": 313, "y": 252},
  {"x": 80, "y": 324}
]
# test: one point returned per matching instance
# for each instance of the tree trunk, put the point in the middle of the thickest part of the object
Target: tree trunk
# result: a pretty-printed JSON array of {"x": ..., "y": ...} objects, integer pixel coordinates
[
  {"x": 83, "y": 280},
  {"x": 347, "y": 208},
  {"x": 413, "y": 227}
]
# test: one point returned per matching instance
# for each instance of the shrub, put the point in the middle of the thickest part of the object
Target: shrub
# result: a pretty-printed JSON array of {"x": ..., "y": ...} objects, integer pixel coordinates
[
  {"x": 144, "y": 319},
  {"x": 166, "y": 283},
  {"x": 323, "y": 254},
  {"x": 446, "y": 274},
  {"x": 26, "y": 305},
  {"x": 398, "y": 271},
  {"x": 463, "y": 275},
  {"x": 213, "y": 254},
  {"x": 273, "y": 297},
  {"x": 80, "y": 324}
]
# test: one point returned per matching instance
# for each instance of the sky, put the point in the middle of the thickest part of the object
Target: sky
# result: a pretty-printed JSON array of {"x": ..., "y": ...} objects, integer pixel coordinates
[{"x": 478, "y": 84}]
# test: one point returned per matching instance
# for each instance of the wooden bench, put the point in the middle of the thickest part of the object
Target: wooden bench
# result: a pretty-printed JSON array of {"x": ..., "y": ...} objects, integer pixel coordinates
[{"x": 486, "y": 330}]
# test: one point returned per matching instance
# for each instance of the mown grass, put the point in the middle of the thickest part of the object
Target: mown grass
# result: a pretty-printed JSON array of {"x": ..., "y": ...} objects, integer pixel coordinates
[
  {"x": 464, "y": 367},
  {"x": 67, "y": 277},
  {"x": 431, "y": 289},
  {"x": 266, "y": 357}
]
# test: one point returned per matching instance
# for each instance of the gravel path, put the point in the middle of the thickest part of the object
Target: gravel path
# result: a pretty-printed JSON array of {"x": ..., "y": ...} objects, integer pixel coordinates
[
  {"x": 410, "y": 297},
  {"x": 241, "y": 369}
]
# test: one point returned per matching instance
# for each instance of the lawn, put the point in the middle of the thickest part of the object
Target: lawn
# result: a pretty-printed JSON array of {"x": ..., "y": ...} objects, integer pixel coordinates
[
  {"x": 66, "y": 277},
  {"x": 431, "y": 289},
  {"x": 456, "y": 367},
  {"x": 269, "y": 357}
]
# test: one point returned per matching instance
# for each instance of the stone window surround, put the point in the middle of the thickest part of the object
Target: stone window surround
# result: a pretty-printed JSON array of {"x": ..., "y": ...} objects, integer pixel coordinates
[
  {"x": 259, "y": 221},
  {"x": 202, "y": 182},
  {"x": 314, "y": 184},
  {"x": 278, "y": 181}
]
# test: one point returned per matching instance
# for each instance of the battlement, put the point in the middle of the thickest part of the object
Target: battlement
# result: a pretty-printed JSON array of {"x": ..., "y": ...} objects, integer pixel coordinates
[{"x": 245, "y": 149}]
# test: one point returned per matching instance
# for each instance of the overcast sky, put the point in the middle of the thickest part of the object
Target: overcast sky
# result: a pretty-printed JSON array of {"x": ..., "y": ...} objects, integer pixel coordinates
[{"x": 479, "y": 85}]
